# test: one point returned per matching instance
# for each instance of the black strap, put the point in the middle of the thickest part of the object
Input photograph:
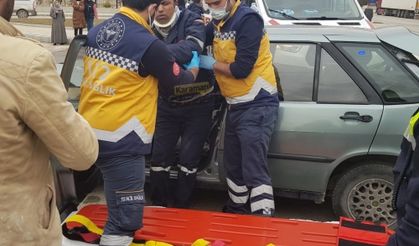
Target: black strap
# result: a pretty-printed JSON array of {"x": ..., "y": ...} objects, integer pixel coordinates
[
  {"x": 343, "y": 242},
  {"x": 364, "y": 227}
]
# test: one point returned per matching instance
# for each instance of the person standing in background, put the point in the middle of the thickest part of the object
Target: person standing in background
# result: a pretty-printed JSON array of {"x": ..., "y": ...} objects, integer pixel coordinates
[
  {"x": 79, "y": 21},
  {"x": 58, "y": 34},
  {"x": 90, "y": 13}
]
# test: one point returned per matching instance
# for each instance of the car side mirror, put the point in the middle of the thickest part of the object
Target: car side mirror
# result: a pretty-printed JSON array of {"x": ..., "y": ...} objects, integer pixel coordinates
[{"x": 369, "y": 13}]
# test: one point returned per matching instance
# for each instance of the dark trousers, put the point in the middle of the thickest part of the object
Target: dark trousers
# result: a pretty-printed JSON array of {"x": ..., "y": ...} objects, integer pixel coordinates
[
  {"x": 124, "y": 190},
  {"x": 78, "y": 31},
  {"x": 90, "y": 24},
  {"x": 246, "y": 143},
  {"x": 191, "y": 124},
  {"x": 407, "y": 233}
]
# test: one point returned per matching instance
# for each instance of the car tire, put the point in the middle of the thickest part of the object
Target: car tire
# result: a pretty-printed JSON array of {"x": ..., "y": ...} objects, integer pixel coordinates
[
  {"x": 22, "y": 14},
  {"x": 366, "y": 193}
]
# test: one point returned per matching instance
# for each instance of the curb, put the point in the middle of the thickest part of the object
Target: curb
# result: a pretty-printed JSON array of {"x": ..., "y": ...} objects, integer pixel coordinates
[{"x": 44, "y": 39}]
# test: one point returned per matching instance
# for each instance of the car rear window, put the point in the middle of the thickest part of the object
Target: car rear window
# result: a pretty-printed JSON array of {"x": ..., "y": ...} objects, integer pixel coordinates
[{"x": 389, "y": 77}]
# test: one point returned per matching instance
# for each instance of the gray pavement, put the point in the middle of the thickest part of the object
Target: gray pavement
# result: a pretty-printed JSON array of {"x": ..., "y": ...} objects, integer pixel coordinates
[
  {"x": 43, "y": 32},
  {"x": 103, "y": 13}
]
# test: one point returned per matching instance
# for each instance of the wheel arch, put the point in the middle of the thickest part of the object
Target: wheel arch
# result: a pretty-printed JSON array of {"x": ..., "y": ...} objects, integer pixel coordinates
[{"x": 354, "y": 162}]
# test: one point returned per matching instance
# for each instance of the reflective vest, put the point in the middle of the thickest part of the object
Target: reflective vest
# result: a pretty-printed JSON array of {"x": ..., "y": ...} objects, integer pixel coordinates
[
  {"x": 262, "y": 76},
  {"x": 119, "y": 104}
]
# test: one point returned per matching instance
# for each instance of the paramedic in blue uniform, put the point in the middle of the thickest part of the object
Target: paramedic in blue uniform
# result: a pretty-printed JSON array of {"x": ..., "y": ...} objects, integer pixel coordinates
[
  {"x": 126, "y": 67},
  {"x": 186, "y": 114},
  {"x": 245, "y": 74},
  {"x": 406, "y": 192}
]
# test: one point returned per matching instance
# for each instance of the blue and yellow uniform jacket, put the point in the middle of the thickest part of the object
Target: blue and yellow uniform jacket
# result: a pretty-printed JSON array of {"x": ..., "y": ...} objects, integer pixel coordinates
[
  {"x": 119, "y": 104},
  {"x": 257, "y": 87}
]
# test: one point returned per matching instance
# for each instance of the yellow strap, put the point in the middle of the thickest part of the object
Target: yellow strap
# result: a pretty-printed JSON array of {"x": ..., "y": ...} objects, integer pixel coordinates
[
  {"x": 155, "y": 243},
  {"x": 85, "y": 222},
  {"x": 233, "y": 10},
  {"x": 201, "y": 242},
  {"x": 136, "y": 17}
]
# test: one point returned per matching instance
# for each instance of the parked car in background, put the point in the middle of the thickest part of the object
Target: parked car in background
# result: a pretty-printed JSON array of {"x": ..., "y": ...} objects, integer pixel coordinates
[
  {"x": 314, "y": 12},
  {"x": 25, "y": 8},
  {"x": 349, "y": 94}
]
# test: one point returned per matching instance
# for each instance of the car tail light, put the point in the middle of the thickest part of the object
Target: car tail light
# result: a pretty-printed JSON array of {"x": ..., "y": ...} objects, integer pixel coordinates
[
  {"x": 370, "y": 24},
  {"x": 273, "y": 22}
]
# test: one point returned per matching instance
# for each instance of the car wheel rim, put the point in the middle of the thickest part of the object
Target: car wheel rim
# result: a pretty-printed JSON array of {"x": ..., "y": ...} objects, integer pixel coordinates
[
  {"x": 22, "y": 14},
  {"x": 371, "y": 200}
]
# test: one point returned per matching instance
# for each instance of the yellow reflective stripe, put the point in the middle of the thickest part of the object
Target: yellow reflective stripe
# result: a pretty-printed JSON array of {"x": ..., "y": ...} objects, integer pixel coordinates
[
  {"x": 412, "y": 123},
  {"x": 86, "y": 222}
]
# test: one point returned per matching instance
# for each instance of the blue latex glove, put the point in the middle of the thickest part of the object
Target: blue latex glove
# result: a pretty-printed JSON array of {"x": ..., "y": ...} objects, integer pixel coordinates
[
  {"x": 194, "y": 63},
  {"x": 207, "y": 62}
]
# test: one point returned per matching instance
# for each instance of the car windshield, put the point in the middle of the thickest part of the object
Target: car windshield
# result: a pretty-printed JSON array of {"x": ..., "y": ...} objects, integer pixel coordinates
[
  {"x": 313, "y": 9},
  {"x": 387, "y": 74}
]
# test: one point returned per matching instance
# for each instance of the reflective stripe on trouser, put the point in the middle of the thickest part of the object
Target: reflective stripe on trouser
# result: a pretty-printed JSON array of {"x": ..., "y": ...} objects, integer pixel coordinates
[
  {"x": 123, "y": 178},
  {"x": 114, "y": 240},
  {"x": 247, "y": 137},
  {"x": 191, "y": 123}
]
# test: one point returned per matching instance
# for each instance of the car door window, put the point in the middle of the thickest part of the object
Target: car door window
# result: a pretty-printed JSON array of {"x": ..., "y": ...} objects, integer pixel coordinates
[
  {"x": 295, "y": 66},
  {"x": 335, "y": 85},
  {"x": 391, "y": 79},
  {"x": 76, "y": 77}
]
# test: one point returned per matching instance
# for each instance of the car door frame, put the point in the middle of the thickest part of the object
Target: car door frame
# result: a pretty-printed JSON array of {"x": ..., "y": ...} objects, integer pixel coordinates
[{"x": 70, "y": 186}]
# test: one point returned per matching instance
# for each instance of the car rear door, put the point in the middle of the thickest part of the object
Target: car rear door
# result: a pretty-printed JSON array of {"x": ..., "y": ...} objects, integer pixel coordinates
[
  {"x": 73, "y": 185},
  {"x": 330, "y": 113}
]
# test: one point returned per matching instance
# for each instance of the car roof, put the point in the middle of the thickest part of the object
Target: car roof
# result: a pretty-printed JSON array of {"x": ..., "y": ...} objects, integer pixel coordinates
[
  {"x": 400, "y": 37},
  {"x": 320, "y": 34}
]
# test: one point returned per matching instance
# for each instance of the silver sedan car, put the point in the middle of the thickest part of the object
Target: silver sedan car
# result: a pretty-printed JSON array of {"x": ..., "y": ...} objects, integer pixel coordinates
[{"x": 348, "y": 96}]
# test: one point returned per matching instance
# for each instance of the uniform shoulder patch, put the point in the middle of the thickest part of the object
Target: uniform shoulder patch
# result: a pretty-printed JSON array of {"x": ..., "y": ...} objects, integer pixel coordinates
[{"x": 110, "y": 34}]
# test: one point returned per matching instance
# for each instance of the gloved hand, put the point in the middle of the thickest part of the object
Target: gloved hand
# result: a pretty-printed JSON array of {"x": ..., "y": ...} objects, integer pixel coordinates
[
  {"x": 207, "y": 62},
  {"x": 194, "y": 63}
]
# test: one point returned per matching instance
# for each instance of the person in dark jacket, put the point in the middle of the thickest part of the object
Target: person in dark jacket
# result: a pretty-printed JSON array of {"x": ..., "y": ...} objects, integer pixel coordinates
[
  {"x": 90, "y": 13},
  {"x": 186, "y": 114},
  {"x": 406, "y": 191},
  {"x": 197, "y": 7}
]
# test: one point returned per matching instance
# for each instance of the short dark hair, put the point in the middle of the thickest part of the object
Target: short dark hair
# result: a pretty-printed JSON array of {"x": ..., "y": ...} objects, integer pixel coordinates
[
  {"x": 197, "y": 1},
  {"x": 139, "y": 4}
]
